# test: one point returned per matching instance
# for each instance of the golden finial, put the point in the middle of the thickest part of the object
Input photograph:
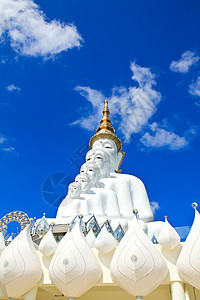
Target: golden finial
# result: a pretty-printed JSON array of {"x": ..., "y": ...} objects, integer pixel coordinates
[
  {"x": 165, "y": 218},
  {"x": 105, "y": 121},
  {"x": 105, "y": 129},
  {"x": 135, "y": 211},
  {"x": 194, "y": 205}
]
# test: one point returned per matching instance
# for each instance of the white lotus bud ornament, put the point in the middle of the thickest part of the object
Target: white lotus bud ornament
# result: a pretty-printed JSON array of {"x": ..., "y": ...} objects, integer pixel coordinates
[
  {"x": 105, "y": 241},
  {"x": 137, "y": 266},
  {"x": 74, "y": 269},
  {"x": 48, "y": 244},
  {"x": 168, "y": 237},
  {"x": 91, "y": 239},
  {"x": 20, "y": 269},
  {"x": 188, "y": 264}
]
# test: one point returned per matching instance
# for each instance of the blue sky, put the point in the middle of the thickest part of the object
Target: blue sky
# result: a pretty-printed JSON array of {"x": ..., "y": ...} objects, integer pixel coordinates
[{"x": 59, "y": 61}]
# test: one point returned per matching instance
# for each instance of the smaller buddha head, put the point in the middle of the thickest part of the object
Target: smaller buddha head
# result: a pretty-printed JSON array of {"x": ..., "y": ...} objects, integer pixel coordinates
[
  {"x": 101, "y": 159},
  {"x": 74, "y": 190},
  {"x": 83, "y": 168},
  {"x": 83, "y": 180},
  {"x": 78, "y": 179},
  {"x": 92, "y": 170}
]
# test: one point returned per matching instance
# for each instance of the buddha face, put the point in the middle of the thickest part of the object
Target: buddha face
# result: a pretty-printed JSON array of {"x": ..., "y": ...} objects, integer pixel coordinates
[
  {"x": 78, "y": 179},
  {"x": 110, "y": 148},
  {"x": 101, "y": 159},
  {"x": 74, "y": 190},
  {"x": 93, "y": 172},
  {"x": 83, "y": 180},
  {"x": 83, "y": 168}
]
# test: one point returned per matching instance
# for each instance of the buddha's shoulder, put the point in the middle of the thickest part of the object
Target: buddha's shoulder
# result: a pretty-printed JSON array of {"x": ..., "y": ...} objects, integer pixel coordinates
[{"x": 128, "y": 177}]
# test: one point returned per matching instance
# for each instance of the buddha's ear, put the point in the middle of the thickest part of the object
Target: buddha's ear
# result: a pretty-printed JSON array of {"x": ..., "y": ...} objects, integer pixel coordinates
[{"x": 120, "y": 157}]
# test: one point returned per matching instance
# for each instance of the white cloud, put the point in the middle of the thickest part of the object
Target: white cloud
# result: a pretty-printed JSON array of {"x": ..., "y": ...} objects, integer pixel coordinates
[
  {"x": 30, "y": 32},
  {"x": 3, "y": 59},
  {"x": 194, "y": 88},
  {"x": 142, "y": 75},
  {"x": 96, "y": 98},
  {"x": 162, "y": 138},
  {"x": 13, "y": 87},
  {"x": 5, "y": 144},
  {"x": 154, "y": 206},
  {"x": 131, "y": 108},
  {"x": 192, "y": 132},
  {"x": 8, "y": 149},
  {"x": 2, "y": 140},
  {"x": 188, "y": 58}
]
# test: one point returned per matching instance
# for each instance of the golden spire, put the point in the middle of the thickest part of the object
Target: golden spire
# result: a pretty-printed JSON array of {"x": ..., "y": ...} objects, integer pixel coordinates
[
  {"x": 105, "y": 121},
  {"x": 105, "y": 130}
]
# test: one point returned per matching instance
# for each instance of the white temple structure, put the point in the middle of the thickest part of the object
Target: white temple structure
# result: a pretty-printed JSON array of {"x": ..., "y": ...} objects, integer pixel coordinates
[{"x": 103, "y": 243}]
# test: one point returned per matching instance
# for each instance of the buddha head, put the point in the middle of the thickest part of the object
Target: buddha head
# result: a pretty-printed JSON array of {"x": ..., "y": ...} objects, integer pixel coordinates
[
  {"x": 93, "y": 172},
  {"x": 101, "y": 159},
  {"x": 74, "y": 190},
  {"x": 83, "y": 180},
  {"x": 110, "y": 148},
  {"x": 77, "y": 179},
  {"x": 83, "y": 168},
  {"x": 106, "y": 139}
]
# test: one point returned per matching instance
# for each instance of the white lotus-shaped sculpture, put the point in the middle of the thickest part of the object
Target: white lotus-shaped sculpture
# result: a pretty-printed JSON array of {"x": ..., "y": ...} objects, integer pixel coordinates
[
  {"x": 74, "y": 269},
  {"x": 137, "y": 266},
  {"x": 188, "y": 264},
  {"x": 19, "y": 266},
  {"x": 105, "y": 241},
  {"x": 168, "y": 237},
  {"x": 91, "y": 239},
  {"x": 48, "y": 244}
]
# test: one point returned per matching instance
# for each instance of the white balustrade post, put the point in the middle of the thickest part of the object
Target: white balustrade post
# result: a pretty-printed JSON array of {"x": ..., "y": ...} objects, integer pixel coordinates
[
  {"x": 177, "y": 290},
  {"x": 187, "y": 296}
]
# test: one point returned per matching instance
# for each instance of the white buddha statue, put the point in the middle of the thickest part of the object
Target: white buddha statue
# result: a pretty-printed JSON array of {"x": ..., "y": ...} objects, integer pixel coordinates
[
  {"x": 83, "y": 200},
  {"x": 91, "y": 199},
  {"x": 104, "y": 190},
  {"x": 74, "y": 191},
  {"x": 129, "y": 189},
  {"x": 104, "y": 201}
]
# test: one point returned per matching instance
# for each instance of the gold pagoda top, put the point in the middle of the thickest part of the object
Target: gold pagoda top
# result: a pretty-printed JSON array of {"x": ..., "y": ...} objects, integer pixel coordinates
[{"x": 106, "y": 130}]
